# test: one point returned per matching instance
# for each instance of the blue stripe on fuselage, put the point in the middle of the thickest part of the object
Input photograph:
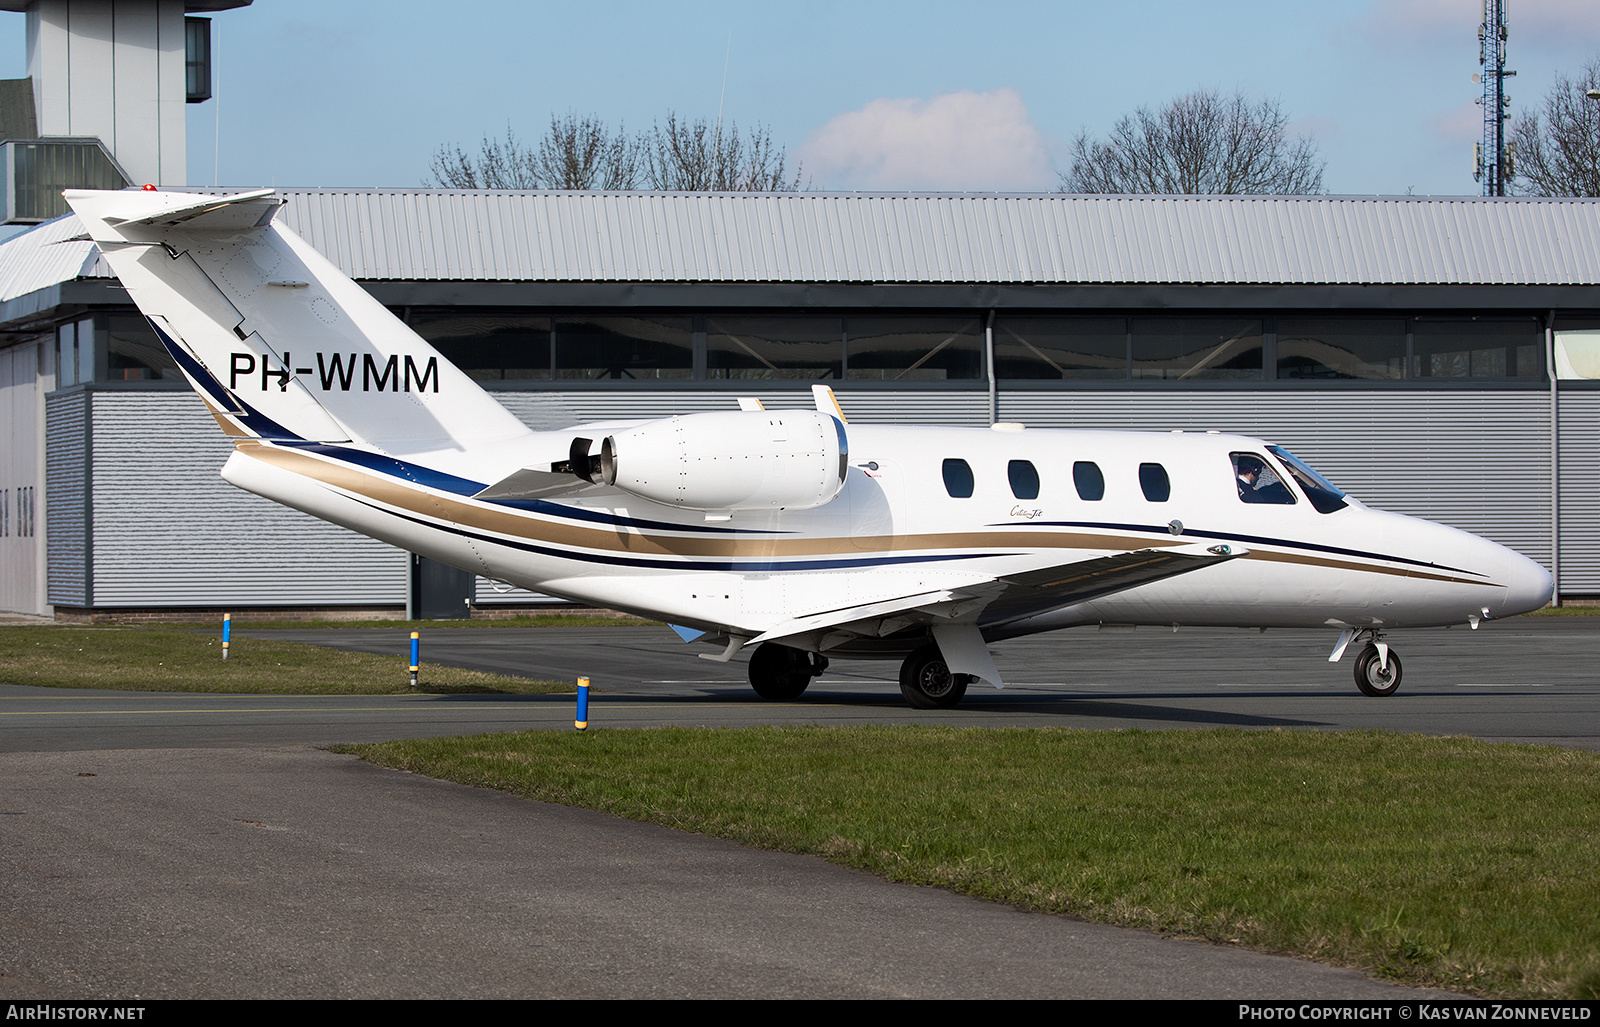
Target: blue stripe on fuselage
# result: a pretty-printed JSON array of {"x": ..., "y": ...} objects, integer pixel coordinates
[
  {"x": 426, "y": 476},
  {"x": 687, "y": 563},
  {"x": 1266, "y": 540}
]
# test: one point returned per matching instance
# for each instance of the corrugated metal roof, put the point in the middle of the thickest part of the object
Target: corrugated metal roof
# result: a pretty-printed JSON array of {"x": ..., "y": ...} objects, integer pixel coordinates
[{"x": 441, "y": 235}]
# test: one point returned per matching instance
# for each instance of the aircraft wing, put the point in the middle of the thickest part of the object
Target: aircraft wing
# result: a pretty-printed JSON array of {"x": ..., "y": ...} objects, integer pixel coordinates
[
  {"x": 1050, "y": 588},
  {"x": 1010, "y": 597},
  {"x": 531, "y": 484}
]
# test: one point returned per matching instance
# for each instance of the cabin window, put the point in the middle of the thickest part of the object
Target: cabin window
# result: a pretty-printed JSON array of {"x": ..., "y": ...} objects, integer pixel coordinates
[
  {"x": 1257, "y": 482},
  {"x": 1024, "y": 479},
  {"x": 1153, "y": 480},
  {"x": 958, "y": 479},
  {"x": 1088, "y": 480}
]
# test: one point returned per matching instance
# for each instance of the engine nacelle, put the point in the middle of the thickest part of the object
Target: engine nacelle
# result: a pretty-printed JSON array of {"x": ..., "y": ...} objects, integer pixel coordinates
[{"x": 731, "y": 460}]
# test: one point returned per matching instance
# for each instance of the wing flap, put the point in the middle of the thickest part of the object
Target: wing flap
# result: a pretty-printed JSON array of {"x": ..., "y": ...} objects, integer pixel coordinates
[
  {"x": 854, "y": 614},
  {"x": 1011, "y": 596},
  {"x": 1049, "y": 588}
]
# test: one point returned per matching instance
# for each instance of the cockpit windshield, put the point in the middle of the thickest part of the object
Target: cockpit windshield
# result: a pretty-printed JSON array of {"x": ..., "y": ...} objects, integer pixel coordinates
[
  {"x": 1258, "y": 482},
  {"x": 1324, "y": 495}
]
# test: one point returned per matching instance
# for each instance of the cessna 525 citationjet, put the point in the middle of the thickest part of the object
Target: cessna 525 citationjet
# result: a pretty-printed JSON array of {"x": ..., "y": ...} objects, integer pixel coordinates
[{"x": 789, "y": 531}]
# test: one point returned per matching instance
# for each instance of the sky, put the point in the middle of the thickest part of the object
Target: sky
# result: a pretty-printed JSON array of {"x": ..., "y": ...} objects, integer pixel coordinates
[{"x": 865, "y": 95}]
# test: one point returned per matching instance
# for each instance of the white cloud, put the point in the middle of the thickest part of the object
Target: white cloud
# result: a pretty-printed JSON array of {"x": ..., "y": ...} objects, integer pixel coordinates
[
  {"x": 1544, "y": 20},
  {"x": 958, "y": 141},
  {"x": 1464, "y": 124}
]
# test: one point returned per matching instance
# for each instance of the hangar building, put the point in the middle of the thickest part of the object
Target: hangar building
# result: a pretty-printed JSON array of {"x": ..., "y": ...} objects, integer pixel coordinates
[{"x": 1435, "y": 356}]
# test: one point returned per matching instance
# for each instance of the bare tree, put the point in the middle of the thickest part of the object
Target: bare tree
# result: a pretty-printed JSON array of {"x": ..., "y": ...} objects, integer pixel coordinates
[
  {"x": 1200, "y": 143},
  {"x": 574, "y": 153},
  {"x": 701, "y": 157},
  {"x": 582, "y": 153},
  {"x": 1559, "y": 154}
]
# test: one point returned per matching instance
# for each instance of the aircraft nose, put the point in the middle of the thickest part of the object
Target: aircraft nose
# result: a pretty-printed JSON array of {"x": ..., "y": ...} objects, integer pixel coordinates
[{"x": 1529, "y": 586}]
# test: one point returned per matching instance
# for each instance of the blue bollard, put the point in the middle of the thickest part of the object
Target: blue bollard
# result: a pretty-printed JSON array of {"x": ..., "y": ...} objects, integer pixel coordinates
[
  {"x": 227, "y": 630},
  {"x": 583, "y": 705},
  {"x": 415, "y": 649}
]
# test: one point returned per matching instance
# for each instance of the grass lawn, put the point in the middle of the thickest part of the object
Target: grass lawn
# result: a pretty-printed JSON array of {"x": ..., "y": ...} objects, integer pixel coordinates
[
  {"x": 1447, "y": 862},
  {"x": 171, "y": 660}
]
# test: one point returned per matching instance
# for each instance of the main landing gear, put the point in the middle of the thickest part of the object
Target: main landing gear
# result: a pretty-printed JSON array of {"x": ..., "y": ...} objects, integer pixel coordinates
[
  {"x": 781, "y": 672},
  {"x": 1377, "y": 667},
  {"x": 927, "y": 683}
]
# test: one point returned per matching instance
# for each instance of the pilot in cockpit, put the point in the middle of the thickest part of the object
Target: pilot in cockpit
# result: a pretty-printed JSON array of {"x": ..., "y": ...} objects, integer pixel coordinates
[{"x": 1250, "y": 471}]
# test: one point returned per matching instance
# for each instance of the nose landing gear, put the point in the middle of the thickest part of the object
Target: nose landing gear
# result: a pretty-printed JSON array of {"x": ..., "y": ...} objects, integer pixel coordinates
[
  {"x": 1375, "y": 676},
  {"x": 1377, "y": 667}
]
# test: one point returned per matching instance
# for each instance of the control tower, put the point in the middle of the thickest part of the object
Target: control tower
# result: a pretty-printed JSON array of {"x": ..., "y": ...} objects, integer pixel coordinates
[{"x": 103, "y": 104}]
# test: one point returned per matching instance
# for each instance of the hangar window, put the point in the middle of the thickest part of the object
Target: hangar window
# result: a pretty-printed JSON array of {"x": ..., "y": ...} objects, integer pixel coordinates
[
  {"x": 774, "y": 348},
  {"x": 1476, "y": 348},
  {"x": 1072, "y": 348},
  {"x": 1154, "y": 483},
  {"x": 1024, "y": 478},
  {"x": 623, "y": 348},
  {"x": 1324, "y": 348},
  {"x": 958, "y": 479},
  {"x": 1088, "y": 480},
  {"x": 913, "y": 349},
  {"x": 1197, "y": 348},
  {"x": 488, "y": 343}
]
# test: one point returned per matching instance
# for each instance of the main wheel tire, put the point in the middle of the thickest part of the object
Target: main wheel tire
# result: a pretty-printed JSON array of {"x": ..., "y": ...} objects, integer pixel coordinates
[
  {"x": 779, "y": 672},
  {"x": 1373, "y": 679},
  {"x": 927, "y": 683}
]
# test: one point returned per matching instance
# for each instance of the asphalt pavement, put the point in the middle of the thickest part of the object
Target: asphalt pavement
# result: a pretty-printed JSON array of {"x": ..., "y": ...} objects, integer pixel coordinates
[{"x": 167, "y": 845}]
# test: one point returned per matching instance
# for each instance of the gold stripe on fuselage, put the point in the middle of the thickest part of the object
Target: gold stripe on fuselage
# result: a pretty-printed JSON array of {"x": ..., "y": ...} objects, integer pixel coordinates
[{"x": 519, "y": 525}]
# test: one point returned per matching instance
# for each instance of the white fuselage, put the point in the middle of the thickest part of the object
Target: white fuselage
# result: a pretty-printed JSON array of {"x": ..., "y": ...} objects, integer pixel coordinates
[{"x": 896, "y": 530}]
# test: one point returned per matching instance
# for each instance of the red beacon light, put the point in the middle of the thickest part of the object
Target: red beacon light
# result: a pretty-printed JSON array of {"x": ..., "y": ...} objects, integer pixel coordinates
[{"x": 147, "y": 187}]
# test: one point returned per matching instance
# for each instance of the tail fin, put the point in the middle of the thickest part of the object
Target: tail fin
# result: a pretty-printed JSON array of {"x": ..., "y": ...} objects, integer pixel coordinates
[{"x": 279, "y": 342}]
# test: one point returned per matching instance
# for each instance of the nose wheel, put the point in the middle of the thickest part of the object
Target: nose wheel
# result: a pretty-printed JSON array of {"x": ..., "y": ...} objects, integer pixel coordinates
[{"x": 1376, "y": 676}]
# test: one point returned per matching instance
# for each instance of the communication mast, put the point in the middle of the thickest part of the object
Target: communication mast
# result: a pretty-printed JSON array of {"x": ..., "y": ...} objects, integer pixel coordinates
[{"x": 1496, "y": 160}]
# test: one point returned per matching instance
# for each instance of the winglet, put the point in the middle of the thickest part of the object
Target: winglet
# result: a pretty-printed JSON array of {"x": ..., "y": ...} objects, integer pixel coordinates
[
  {"x": 827, "y": 403},
  {"x": 750, "y": 403}
]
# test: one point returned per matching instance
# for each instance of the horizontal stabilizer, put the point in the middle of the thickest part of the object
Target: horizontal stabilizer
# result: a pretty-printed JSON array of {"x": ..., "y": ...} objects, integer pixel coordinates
[{"x": 208, "y": 213}]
